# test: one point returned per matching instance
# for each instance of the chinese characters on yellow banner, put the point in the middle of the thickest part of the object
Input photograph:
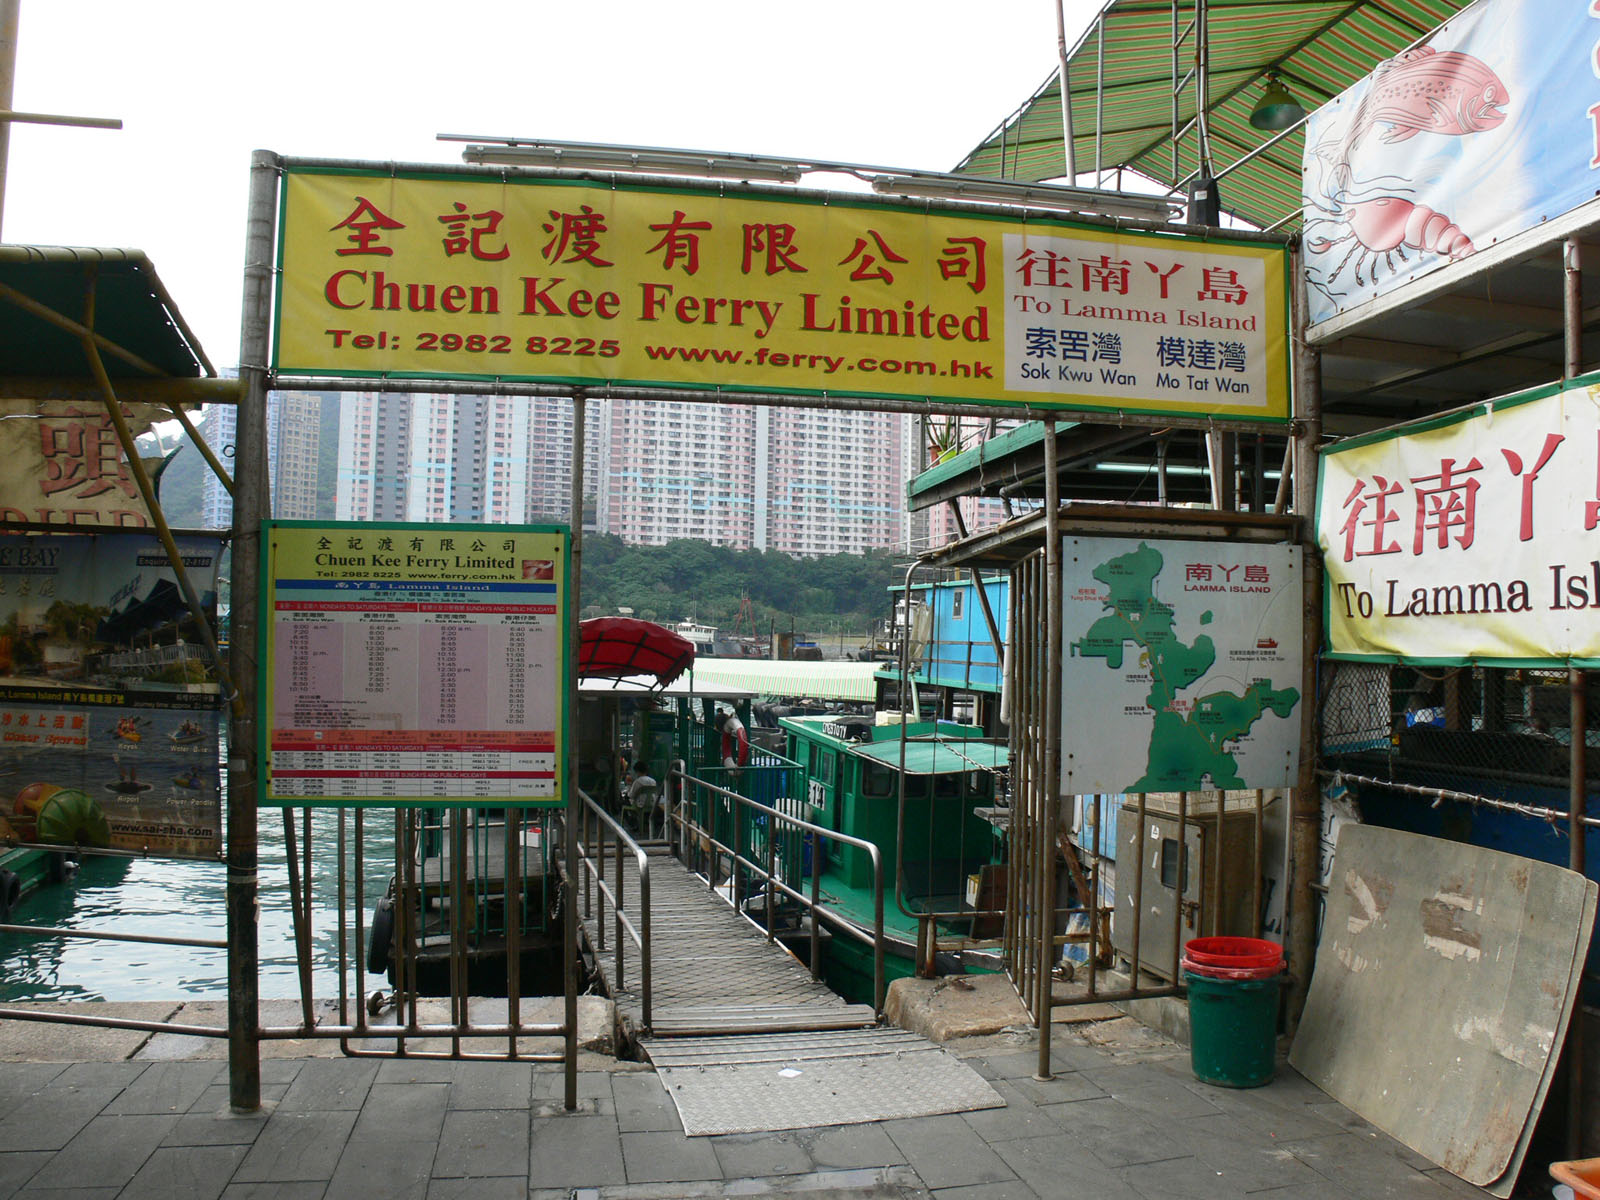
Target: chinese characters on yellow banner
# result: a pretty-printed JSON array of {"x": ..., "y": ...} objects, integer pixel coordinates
[
  {"x": 1470, "y": 538},
  {"x": 577, "y": 282},
  {"x": 411, "y": 663}
]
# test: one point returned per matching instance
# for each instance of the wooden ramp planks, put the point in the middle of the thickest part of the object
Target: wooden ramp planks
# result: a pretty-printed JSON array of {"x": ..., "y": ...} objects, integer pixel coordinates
[{"x": 712, "y": 971}]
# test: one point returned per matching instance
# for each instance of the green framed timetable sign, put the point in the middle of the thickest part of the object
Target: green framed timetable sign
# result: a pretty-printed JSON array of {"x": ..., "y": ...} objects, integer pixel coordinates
[{"x": 410, "y": 663}]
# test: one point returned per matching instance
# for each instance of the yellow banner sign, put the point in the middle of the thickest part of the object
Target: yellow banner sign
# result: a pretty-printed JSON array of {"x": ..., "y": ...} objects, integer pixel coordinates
[
  {"x": 1470, "y": 538},
  {"x": 577, "y": 281}
]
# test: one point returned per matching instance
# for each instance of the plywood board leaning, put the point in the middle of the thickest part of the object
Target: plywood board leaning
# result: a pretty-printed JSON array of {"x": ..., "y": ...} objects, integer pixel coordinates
[{"x": 1444, "y": 981}]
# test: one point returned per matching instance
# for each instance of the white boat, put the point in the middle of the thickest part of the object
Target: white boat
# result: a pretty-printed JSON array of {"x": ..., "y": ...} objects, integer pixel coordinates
[{"x": 703, "y": 636}]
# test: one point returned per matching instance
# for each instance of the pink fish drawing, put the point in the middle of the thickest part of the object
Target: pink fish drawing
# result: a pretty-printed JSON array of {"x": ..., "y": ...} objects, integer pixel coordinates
[{"x": 1423, "y": 90}]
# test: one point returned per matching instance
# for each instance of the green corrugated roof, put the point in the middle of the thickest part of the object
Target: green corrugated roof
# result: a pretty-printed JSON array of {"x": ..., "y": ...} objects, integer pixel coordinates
[
  {"x": 1317, "y": 49},
  {"x": 936, "y": 758},
  {"x": 131, "y": 308},
  {"x": 991, "y": 450}
]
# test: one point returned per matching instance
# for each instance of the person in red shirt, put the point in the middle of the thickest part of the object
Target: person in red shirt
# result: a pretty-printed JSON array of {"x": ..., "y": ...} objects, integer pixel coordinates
[{"x": 735, "y": 741}]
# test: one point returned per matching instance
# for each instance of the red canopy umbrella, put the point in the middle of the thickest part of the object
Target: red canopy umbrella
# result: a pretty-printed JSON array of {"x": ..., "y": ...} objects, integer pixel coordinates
[{"x": 619, "y": 647}]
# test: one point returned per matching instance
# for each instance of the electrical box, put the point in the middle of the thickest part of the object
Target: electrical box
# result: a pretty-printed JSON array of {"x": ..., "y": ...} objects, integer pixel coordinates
[{"x": 1154, "y": 849}]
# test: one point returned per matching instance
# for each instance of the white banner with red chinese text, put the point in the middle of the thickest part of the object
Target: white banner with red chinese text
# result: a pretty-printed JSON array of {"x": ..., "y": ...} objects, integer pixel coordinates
[{"x": 1472, "y": 537}]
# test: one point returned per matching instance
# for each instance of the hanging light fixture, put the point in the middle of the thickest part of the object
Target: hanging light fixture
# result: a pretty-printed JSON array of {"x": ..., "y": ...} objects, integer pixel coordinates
[{"x": 1276, "y": 109}]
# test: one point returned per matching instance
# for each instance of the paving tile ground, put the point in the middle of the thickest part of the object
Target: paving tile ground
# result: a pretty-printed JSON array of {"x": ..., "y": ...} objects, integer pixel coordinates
[{"x": 1116, "y": 1121}]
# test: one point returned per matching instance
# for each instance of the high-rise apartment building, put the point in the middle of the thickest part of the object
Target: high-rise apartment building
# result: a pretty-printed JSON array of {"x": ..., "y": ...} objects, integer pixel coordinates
[
  {"x": 803, "y": 481},
  {"x": 679, "y": 469},
  {"x": 294, "y": 447},
  {"x": 425, "y": 457},
  {"x": 294, "y": 444},
  {"x": 834, "y": 480}
]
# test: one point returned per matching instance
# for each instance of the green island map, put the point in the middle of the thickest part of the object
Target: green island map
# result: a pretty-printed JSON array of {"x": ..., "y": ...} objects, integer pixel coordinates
[{"x": 1192, "y": 739}]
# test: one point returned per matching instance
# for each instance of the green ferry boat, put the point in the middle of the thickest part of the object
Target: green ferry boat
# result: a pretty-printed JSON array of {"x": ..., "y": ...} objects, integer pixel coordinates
[{"x": 946, "y": 851}]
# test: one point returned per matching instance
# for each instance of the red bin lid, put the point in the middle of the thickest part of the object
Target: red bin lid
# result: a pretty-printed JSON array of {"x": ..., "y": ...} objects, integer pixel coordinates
[{"x": 1234, "y": 953}]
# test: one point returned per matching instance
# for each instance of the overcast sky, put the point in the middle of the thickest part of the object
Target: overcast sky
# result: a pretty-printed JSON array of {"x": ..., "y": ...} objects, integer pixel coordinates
[{"x": 199, "y": 84}]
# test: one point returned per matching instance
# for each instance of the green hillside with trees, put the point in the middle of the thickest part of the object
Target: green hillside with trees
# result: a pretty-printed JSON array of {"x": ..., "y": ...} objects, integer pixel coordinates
[{"x": 683, "y": 579}]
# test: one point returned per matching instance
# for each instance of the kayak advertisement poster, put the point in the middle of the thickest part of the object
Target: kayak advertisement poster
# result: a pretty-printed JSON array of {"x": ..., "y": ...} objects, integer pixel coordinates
[{"x": 110, "y": 709}]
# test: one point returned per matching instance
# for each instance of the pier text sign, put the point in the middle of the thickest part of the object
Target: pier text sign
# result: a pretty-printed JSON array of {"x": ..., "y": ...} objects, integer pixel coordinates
[
  {"x": 1474, "y": 537},
  {"x": 414, "y": 663},
  {"x": 576, "y": 280}
]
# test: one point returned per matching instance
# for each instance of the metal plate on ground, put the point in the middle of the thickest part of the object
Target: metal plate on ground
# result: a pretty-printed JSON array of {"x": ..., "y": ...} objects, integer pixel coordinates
[
  {"x": 752, "y": 1084},
  {"x": 1444, "y": 982}
]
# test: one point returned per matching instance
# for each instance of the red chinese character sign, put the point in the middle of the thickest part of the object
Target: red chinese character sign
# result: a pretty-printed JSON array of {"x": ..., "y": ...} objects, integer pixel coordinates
[
  {"x": 110, "y": 711},
  {"x": 570, "y": 281},
  {"x": 66, "y": 465},
  {"x": 1470, "y": 538}
]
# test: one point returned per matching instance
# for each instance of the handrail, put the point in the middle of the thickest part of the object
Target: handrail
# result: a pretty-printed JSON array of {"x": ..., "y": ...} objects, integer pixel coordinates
[
  {"x": 594, "y": 869},
  {"x": 680, "y": 777}
]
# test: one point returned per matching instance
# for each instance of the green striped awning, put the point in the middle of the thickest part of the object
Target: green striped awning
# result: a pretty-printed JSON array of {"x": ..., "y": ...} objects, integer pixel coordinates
[
  {"x": 832, "y": 680},
  {"x": 1122, "y": 77}
]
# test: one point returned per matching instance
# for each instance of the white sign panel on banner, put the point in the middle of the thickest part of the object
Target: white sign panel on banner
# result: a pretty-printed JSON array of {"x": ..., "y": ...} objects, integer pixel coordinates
[
  {"x": 1182, "y": 665},
  {"x": 1473, "y": 537}
]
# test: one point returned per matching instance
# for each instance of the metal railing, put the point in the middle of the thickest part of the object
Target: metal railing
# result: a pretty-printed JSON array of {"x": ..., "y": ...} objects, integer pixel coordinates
[
  {"x": 596, "y": 823},
  {"x": 700, "y": 848},
  {"x": 462, "y": 834},
  {"x": 353, "y": 1024}
]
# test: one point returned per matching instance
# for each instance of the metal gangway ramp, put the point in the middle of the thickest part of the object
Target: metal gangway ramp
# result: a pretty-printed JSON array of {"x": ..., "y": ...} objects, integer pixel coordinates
[
  {"x": 712, "y": 972},
  {"x": 741, "y": 1035}
]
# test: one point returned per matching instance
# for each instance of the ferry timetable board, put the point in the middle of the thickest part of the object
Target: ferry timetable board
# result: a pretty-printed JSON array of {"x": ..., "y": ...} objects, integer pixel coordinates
[{"x": 411, "y": 664}]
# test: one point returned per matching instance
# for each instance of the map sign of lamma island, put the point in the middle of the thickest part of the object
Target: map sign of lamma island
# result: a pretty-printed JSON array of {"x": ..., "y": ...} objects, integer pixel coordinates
[{"x": 1132, "y": 661}]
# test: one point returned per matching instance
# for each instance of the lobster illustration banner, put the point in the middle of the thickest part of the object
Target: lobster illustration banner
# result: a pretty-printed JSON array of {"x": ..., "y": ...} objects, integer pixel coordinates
[
  {"x": 1484, "y": 131},
  {"x": 1469, "y": 537}
]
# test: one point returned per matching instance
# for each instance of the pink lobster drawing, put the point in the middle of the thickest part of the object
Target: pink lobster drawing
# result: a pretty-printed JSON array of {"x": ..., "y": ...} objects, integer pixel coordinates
[{"x": 1419, "y": 91}]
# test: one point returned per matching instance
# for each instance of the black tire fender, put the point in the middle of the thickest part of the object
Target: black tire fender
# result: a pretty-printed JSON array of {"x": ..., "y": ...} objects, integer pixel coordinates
[
  {"x": 381, "y": 936},
  {"x": 10, "y": 893}
]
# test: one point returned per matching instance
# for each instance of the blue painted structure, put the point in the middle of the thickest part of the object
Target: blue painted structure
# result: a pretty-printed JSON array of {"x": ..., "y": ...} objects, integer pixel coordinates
[{"x": 960, "y": 652}]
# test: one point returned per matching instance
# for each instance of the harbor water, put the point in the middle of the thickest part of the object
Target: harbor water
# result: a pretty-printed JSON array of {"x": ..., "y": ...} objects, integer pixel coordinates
[{"x": 181, "y": 898}]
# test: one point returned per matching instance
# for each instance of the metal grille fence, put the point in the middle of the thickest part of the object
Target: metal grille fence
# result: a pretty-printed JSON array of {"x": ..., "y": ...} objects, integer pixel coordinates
[{"x": 1496, "y": 736}]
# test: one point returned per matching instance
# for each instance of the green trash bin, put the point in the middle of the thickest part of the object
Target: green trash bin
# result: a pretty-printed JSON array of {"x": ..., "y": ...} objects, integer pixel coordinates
[{"x": 1233, "y": 986}]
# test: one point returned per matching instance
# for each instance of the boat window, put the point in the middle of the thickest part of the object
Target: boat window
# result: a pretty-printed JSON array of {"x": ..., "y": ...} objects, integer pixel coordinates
[
  {"x": 828, "y": 763},
  {"x": 877, "y": 780},
  {"x": 946, "y": 786},
  {"x": 976, "y": 785}
]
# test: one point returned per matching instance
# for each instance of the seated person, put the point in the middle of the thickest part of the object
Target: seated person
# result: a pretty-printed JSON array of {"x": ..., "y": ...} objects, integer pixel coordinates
[{"x": 644, "y": 794}]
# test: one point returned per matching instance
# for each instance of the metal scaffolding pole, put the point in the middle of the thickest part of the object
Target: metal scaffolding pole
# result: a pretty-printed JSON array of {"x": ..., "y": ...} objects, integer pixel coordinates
[
  {"x": 1578, "y": 718},
  {"x": 1051, "y": 783},
  {"x": 575, "y": 811},
  {"x": 1305, "y": 823},
  {"x": 251, "y": 506}
]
